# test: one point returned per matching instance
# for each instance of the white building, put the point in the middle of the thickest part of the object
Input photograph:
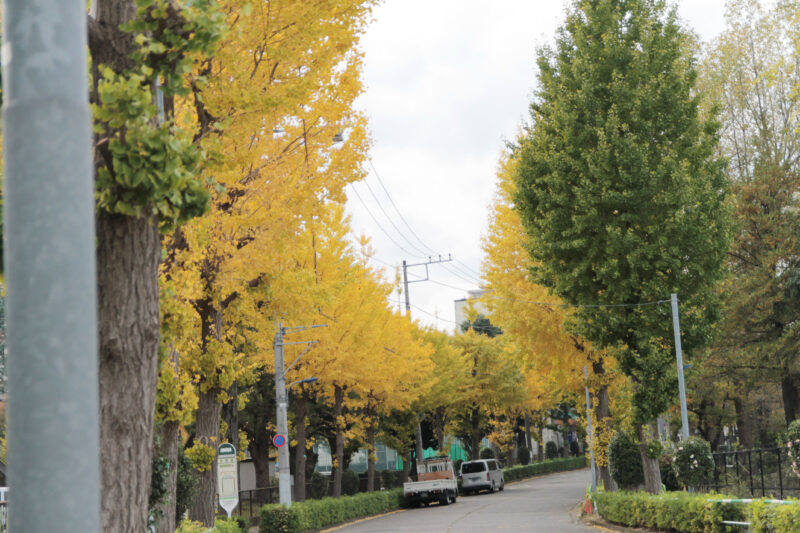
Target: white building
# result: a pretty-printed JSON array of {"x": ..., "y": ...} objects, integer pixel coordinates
[{"x": 461, "y": 306}]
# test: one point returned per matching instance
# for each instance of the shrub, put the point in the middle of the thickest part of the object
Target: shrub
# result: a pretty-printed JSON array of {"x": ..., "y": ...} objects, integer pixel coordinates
[
  {"x": 770, "y": 518},
  {"x": 319, "y": 485},
  {"x": 574, "y": 448},
  {"x": 792, "y": 441},
  {"x": 229, "y": 525},
  {"x": 486, "y": 453},
  {"x": 545, "y": 467},
  {"x": 668, "y": 478},
  {"x": 625, "y": 461},
  {"x": 693, "y": 462},
  {"x": 670, "y": 511},
  {"x": 186, "y": 484},
  {"x": 457, "y": 465},
  {"x": 390, "y": 478},
  {"x": 550, "y": 450},
  {"x": 350, "y": 482},
  {"x": 319, "y": 514},
  {"x": 524, "y": 455}
]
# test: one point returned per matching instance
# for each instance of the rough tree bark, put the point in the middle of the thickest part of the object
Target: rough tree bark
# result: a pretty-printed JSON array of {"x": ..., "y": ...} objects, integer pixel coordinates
[
  {"x": 790, "y": 391},
  {"x": 650, "y": 466},
  {"x": 371, "y": 452},
  {"x": 744, "y": 423},
  {"x": 300, "y": 450},
  {"x": 206, "y": 432},
  {"x": 406, "y": 465},
  {"x": 128, "y": 253},
  {"x": 475, "y": 422},
  {"x": 602, "y": 415},
  {"x": 438, "y": 427},
  {"x": 169, "y": 449},
  {"x": 338, "y": 395}
]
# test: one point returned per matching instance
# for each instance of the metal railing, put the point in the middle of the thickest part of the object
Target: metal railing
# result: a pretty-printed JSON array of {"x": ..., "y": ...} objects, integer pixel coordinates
[{"x": 757, "y": 473}]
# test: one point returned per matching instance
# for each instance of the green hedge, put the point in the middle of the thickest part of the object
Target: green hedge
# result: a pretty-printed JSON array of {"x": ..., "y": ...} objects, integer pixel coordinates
[
  {"x": 318, "y": 514},
  {"x": 670, "y": 511},
  {"x": 771, "y": 518},
  {"x": 545, "y": 467}
]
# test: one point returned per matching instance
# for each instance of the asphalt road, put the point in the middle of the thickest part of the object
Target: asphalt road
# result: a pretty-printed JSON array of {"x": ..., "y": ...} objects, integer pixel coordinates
[{"x": 536, "y": 505}]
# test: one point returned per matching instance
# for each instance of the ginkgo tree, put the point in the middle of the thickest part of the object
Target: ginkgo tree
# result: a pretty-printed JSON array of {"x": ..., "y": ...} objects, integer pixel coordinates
[
  {"x": 534, "y": 318},
  {"x": 276, "y": 92}
]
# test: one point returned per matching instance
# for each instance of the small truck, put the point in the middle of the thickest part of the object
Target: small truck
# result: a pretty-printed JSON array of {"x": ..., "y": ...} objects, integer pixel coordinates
[{"x": 436, "y": 481}]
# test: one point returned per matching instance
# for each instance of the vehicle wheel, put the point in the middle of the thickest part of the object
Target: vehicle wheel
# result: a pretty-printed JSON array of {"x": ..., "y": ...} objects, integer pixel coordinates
[
  {"x": 492, "y": 489},
  {"x": 445, "y": 500},
  {"x": 455, "y": 497},
  {"x": 502, "y": 485}
]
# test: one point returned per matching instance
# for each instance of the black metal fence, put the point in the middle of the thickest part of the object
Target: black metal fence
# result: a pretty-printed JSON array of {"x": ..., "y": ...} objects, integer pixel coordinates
[{"x": 757, "y": 473}]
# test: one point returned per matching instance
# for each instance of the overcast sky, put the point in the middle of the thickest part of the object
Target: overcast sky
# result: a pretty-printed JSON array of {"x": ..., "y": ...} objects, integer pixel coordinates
[{"x": 447, "y": 82}]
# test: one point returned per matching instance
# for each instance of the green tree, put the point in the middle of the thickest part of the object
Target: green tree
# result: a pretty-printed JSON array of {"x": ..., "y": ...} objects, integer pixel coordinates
[
  {"x": 620, "y": 192},
  {"x": 481, "y": 325},
  {"x": 752, "y": 69}
]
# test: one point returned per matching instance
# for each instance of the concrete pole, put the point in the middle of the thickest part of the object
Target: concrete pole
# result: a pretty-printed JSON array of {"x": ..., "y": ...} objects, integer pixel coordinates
[
  {"x": 53, "y": 445},
  {"x": 405, "y": 288},
  {"x": 676, "y": 326},
  {"x": 589, "y": 431},
  {"x": 284, "y": 469}
]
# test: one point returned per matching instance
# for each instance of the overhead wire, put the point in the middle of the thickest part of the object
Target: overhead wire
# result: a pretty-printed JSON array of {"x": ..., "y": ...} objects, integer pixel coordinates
[
  {"x": 475, "y": 276},
  {"x": 381, "y": 227}
]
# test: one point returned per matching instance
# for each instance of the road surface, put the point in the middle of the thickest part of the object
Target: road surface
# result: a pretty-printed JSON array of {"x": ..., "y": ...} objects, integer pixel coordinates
[{"x": 535, "y": 505}]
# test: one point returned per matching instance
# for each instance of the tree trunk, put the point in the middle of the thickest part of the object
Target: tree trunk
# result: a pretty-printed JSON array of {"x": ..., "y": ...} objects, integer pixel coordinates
[
  {"x": 420, "y": 453},
  {"x": 744, "y": 423},
  {"x": 230, "y": 414},
  {"x": 128, "y": 253},
  {"x": 406, "y": 465},
  {"x": 650, "y": 466},
  {"x": 300, "y": 450},
  {"x": 528, "y": 439},
  {"x": 169, "y": 449},
  {"x": 371, "y": 454},
  {"x": 259, "y": 451},
  {"x": 438, "y": 428},
  {"x": 790, "y": 389},
  {"x": 206, "y": 432},
  {"x": 602, "y": 415},
  {"x": 476, "y": 434},
  {"x": 338, "y": 395}
]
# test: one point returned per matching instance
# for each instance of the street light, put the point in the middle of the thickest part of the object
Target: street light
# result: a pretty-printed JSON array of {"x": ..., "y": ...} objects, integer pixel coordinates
[{"x": 307, "y": 380}]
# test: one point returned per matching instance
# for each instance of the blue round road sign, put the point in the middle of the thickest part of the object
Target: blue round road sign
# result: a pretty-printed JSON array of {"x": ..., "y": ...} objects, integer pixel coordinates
[{"x": 279, "y": 440}]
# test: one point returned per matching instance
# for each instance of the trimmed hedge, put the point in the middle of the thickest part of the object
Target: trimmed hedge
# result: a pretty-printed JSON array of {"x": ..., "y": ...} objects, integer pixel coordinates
[
  {"x": 693, "y": 513},
  {"x": 670, "y": 511},
  {"x": 545, "y": 467},
  {"x": 771, "y": 518},
  {"x": 318, "y": 514}
]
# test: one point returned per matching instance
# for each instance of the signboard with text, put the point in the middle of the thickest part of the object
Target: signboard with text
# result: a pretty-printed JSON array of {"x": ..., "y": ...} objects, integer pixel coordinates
[{"x": 227, "y": 477}]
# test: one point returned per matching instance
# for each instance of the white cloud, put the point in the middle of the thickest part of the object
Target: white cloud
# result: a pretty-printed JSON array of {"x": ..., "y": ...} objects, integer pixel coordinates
[{"x": 447, "y": 82}]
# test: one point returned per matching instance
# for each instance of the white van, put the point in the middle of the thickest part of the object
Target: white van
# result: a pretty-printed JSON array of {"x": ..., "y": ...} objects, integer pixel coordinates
[{"x": 481, "y": 474}]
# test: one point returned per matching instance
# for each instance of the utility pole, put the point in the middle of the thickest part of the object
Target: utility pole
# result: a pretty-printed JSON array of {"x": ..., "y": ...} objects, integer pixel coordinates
[
  {"x": 676, "y": 326},
  {"x": 591, "y": 437},
  {"x": 284, "y": 468},
  {"x": 50, "y": 269},
  {"x": 406, "y": 266}
]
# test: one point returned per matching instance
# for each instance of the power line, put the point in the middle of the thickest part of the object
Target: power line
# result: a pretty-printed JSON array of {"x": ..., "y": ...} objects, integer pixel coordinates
[
  {"x": 405, "y": 222},
  {"x": 432, "y": 315},
  {"x": 381, "y": 227},
  {"x": 414, "y": 246}
]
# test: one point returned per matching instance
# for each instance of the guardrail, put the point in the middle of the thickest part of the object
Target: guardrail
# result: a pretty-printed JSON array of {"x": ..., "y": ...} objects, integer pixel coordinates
[{"x": 746, "y": 500}]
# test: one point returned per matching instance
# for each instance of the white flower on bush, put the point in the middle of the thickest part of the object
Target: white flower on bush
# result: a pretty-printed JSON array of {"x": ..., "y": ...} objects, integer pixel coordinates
[{"x": 693, "y": 463}]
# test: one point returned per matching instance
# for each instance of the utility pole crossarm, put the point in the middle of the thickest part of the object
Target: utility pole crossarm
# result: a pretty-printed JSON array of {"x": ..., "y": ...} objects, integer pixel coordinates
[{"x": 430, "y": 261}]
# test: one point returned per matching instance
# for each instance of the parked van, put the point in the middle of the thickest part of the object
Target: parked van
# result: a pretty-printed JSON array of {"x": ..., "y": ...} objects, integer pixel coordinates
[{"x": 481, "y": 474}]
